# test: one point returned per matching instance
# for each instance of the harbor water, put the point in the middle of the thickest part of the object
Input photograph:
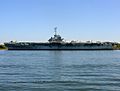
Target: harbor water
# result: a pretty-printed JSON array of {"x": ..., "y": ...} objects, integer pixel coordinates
[{"x": 60, "y": 70}]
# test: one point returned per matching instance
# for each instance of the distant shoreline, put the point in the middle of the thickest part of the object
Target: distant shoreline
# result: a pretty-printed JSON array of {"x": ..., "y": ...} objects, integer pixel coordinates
[
  {"x": 2, "y": 47},
  {"x": 116, "y": 47}
]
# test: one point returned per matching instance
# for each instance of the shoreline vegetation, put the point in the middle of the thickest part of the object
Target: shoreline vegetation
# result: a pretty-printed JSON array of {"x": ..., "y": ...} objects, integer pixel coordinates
[
  {"x": 2, "y": 47},
  {"x": 116, "y": 47}
]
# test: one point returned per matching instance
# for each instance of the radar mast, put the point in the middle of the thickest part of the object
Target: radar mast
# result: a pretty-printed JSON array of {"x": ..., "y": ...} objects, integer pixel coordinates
[{"x": 55, "y": 30}]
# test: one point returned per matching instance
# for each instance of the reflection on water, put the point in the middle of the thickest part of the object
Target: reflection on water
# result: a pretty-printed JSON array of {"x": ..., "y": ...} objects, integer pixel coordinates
[{"x": 59, "y": 70}]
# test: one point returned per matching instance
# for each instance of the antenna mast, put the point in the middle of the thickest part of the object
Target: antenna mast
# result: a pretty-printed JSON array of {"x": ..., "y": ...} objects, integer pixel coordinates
[{"x": 55, "y": 30}]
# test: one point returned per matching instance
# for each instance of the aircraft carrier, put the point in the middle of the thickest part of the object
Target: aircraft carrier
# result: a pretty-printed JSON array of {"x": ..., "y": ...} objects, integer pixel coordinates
[{"x": 57, "y": 43}]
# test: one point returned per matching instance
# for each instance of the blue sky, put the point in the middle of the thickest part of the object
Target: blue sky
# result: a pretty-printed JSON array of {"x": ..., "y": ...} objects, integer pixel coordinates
[{"x": 34, "y": 20}]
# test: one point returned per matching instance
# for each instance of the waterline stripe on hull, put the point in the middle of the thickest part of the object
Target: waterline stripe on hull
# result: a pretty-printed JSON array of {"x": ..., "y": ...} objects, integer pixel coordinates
[{"x": 61, "y": 49}]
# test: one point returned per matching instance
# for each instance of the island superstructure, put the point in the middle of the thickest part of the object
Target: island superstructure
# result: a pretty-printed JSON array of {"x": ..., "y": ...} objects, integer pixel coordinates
[{"x": 57, "y": 43}]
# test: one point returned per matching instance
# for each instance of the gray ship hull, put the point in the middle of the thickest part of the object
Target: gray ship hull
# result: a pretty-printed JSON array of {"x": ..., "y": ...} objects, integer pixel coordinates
[
  {"x": 57, "y": 43},
  {"x": 57, "y": 46}
]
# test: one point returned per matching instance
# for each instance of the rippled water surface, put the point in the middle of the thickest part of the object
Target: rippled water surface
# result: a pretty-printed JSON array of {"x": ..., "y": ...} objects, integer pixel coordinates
[{"x": 59, "y": 70}]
